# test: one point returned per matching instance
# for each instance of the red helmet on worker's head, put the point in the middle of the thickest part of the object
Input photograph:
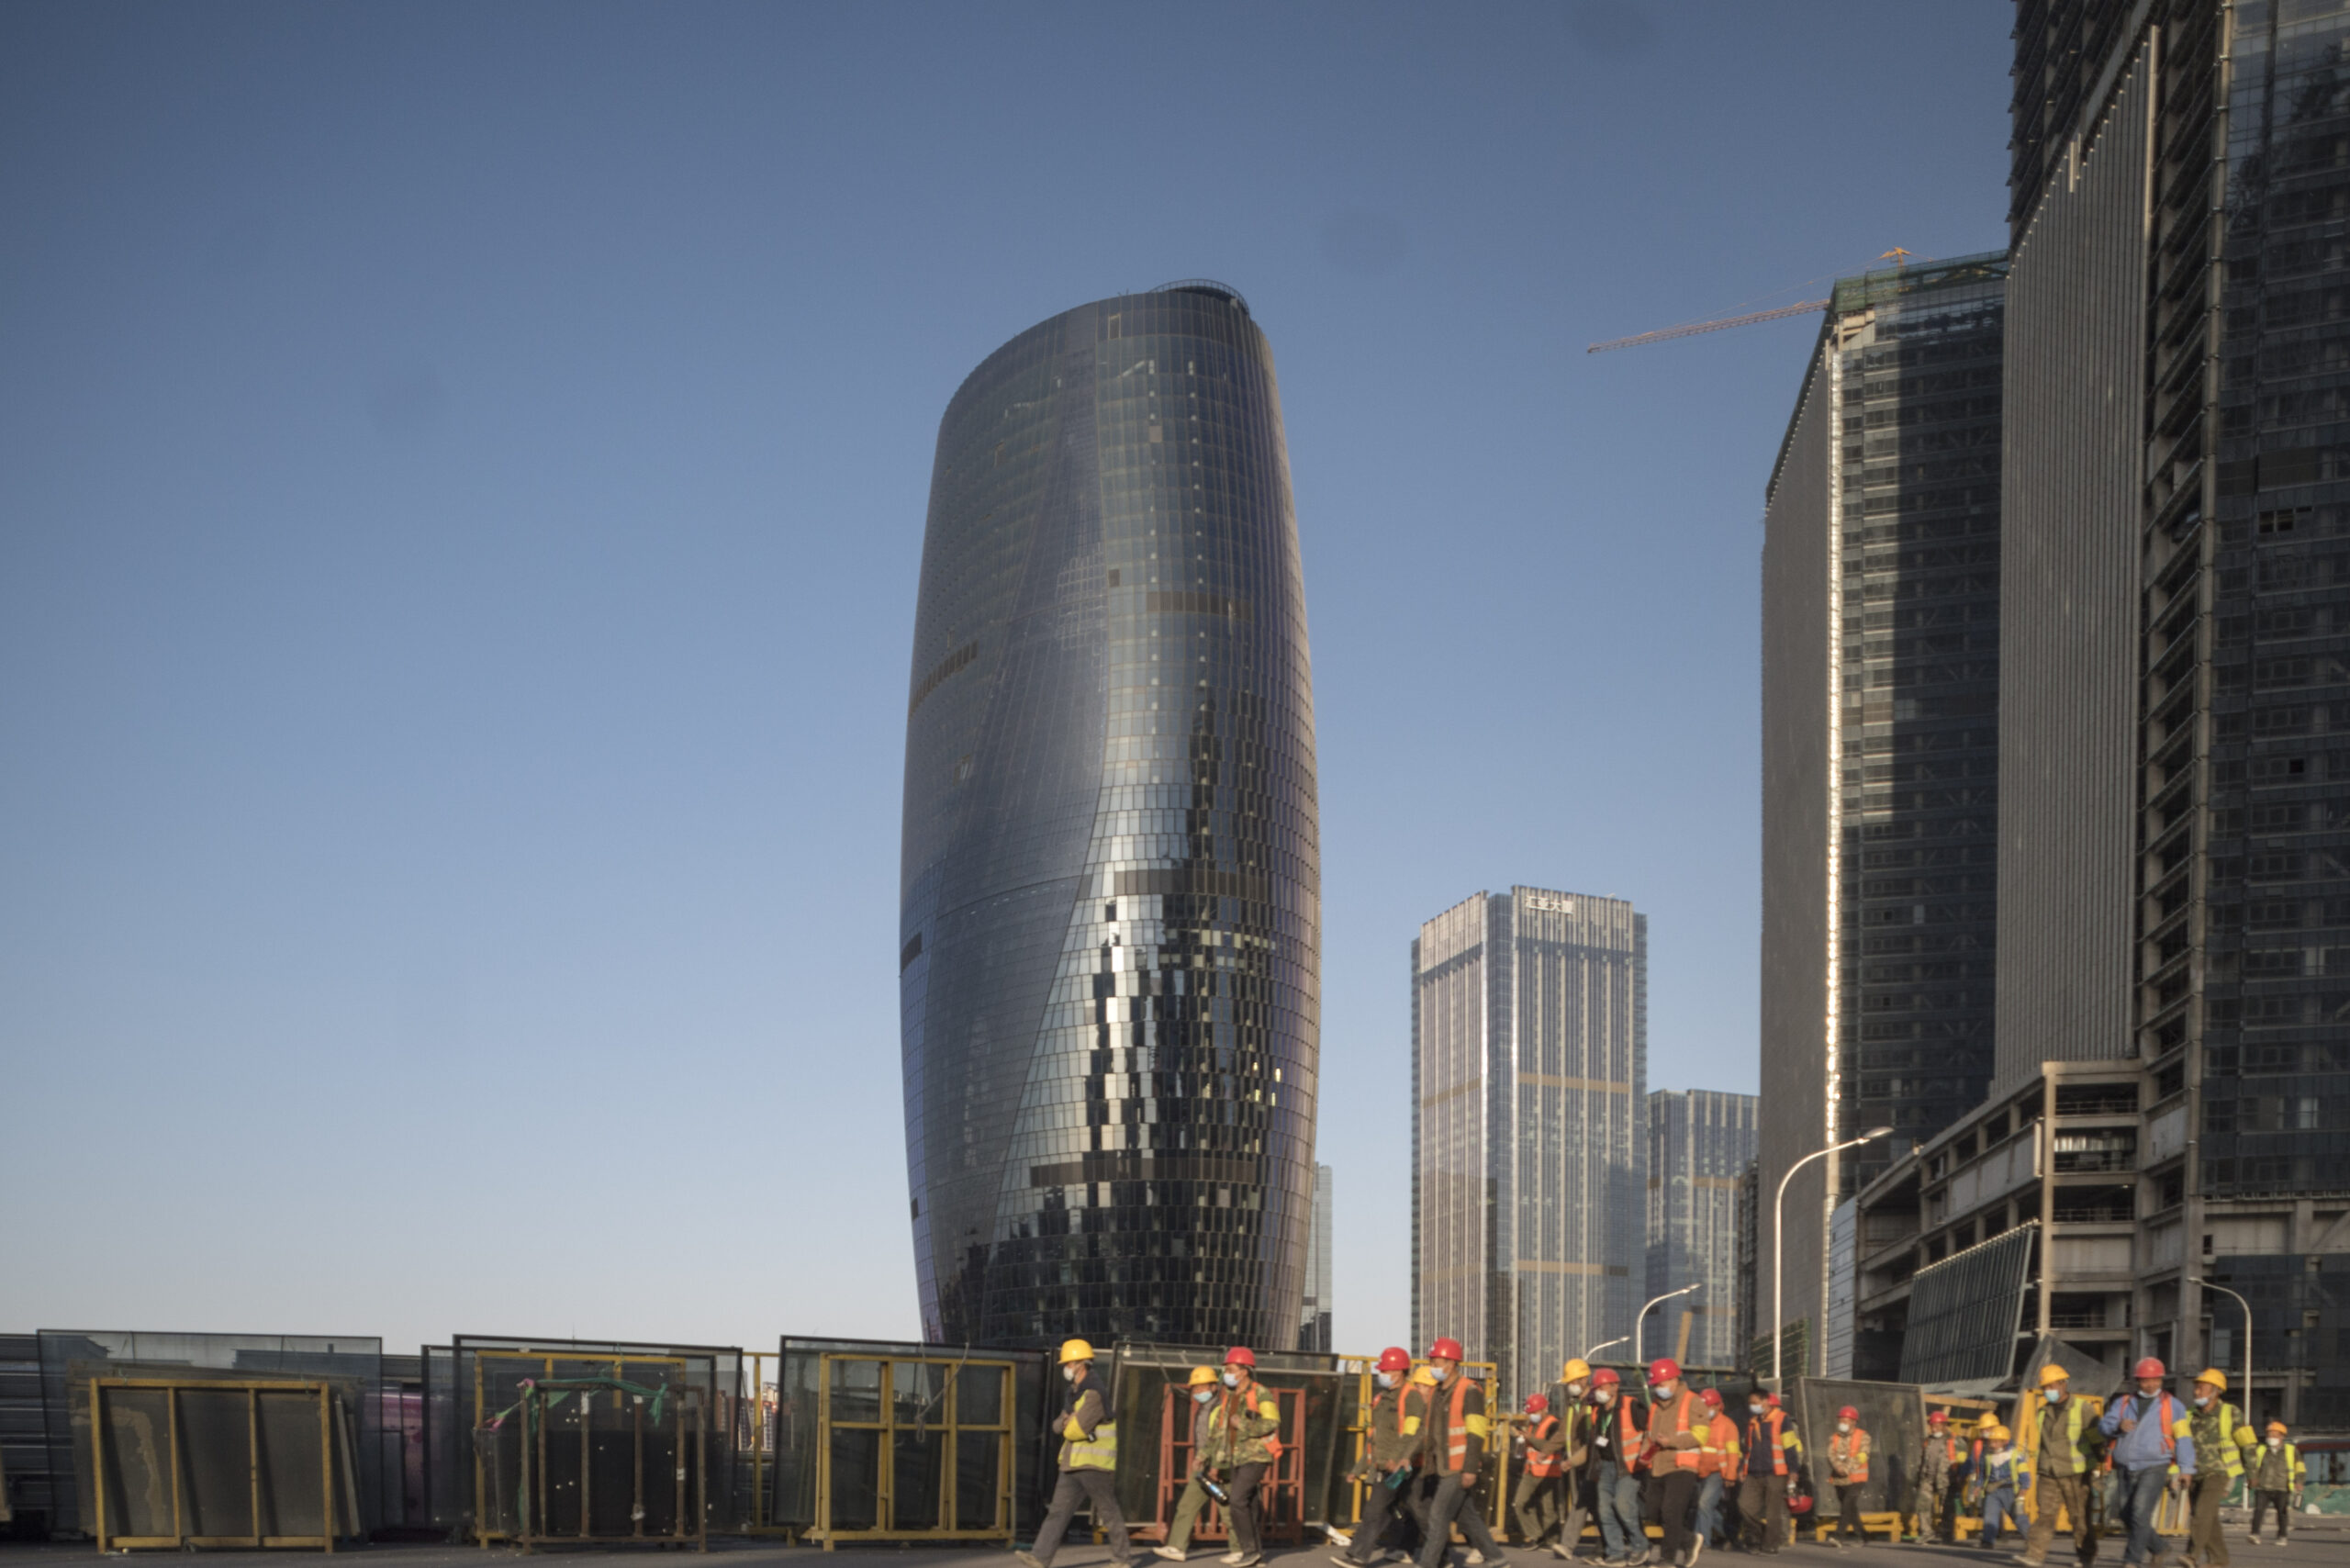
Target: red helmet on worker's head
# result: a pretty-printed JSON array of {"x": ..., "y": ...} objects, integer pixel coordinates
[
  {"x": 1664, "y": 1369},
  {"x": 1395, "y": 1359},
  {"x": 1445, "y": 1350},
  {"x": 1772, "y": 1400},
  {"x": 1936, "y": 1418},
  {"x": 2149, "y": 1368},
  {"x": 1712, "y": 1396},
  {"x": 1240, "y": 1356},
  {"x": 1536, "y": 1403},
  {"x": 1605, "y": 1377},
  {"x": 1848, "y": 1414}
]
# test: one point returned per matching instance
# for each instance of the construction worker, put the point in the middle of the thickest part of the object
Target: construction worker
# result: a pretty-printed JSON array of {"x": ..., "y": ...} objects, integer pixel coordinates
[
  {"x": 1573, "y": 1400},
  {"x": 1676, "y": 1430},
  {"x": 1536, "y": 1502},
  {"x": 1204, "y": 1387},
  {"x": 2279, "y": 1474},
  {"x": 1453, "y": 1443},
  {"x": 1243, "y": 1442},
  {"x": 2069, "y": 1446},
  {"x": 1848, "y": 1472},
  {"x": 2218, "y": 1464},
  {"x": 2000, "y": 1480},
  {"x": 2152, "y": 1448},
  {"x": 1942, "y": 1468},
  {"x": 1765, "y": 1474},
  {"x": 1391, "y": 1451},
  {"x": 1615, "y": 1489},
  {"x": 1716, "y": 1463},
  {"x": 1089, "y": 1462}
]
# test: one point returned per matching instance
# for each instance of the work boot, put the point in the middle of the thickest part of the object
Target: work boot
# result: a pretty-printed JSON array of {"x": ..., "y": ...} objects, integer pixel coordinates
[
  {"x": 1697, "y": 1545},
  {"x": 1172, "y": 1553}
]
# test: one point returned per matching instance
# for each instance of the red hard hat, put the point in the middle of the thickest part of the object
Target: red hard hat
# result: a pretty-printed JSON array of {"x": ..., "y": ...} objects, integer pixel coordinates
[
  {"x": 1664, "y": 1369},
  {"x": 1801, "y": 1505},
  {"x": 1605, "y": 1377},
  {"x": 1848, "y": 1414},
  {"x": 2149, "y": 1368},
  {"x": 1536, "y": 1404},
  {"x": 1712, "y": 1396},
  {"x": 1934, "y": 1418},
  {"x": 1445, "y": 1350},
  {"x": 1772, "y": 1400},
  {"x": 1395, "y": 1359},
  {"x": 1240, "y": 1356}
]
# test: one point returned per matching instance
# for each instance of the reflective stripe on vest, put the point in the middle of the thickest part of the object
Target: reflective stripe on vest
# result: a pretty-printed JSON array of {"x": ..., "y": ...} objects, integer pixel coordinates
[
  {"x": 1456, "y": 1430},
  {"x": 1757, "y": 1441},
  {"x": 1080, "y": 1452},
  {"x": 1683, "y": 1459},
  {"x": 1537, "y": 1461},
  {"x": 1851, "y": 1446}
]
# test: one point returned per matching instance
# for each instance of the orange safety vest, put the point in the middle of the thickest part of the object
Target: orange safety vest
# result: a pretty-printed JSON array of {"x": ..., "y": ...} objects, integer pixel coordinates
[
  {"x": 1846, "y": 1446},
  {"x": 1539, "y": 1464},
  {"x": 1456, "y": 1429},
  {"x": 1757, "y": 1440},
  {"x": 1683, "y": 1459}
]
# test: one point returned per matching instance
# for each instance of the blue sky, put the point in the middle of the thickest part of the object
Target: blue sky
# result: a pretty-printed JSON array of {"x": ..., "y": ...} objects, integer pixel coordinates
[{"x": 462, "y": 479}]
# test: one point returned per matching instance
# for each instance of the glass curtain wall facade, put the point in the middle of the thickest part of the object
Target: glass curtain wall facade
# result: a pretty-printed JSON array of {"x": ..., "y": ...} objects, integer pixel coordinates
[
  {"x": 1110, "y": 881},
  {"x": 1314, "y": 1318},
  {"x": 2181, "y": 208},
  {"x": 1880, "y": 719},
  {"x": 1529, "y": 1072},
  {"x": 1700, "y": 1143}
]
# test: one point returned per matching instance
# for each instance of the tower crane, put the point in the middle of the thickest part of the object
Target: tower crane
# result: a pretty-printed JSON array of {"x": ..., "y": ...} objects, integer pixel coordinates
[{"x": 1897, "y": 256}]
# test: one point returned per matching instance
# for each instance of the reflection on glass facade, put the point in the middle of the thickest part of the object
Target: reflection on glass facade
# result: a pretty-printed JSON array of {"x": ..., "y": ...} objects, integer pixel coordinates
[
  {"x": 1529, "y": 1068},
  {"x": 1314, "y": 1320},
  {"x": 1700, "y": 1143},
  {"x": 1111, "y": 880}
]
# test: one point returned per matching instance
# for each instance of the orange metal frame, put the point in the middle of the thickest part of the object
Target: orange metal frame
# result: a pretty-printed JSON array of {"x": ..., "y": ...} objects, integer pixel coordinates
[{"x": 1284, "y": 1480}]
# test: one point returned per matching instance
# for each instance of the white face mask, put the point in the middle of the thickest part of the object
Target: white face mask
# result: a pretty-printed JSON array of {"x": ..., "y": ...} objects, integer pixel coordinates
[
  {"x": 1386, "y": 1380},
  {"x": 1440, "y": 1374},
  {"x": 1843, "y": 1426},
  {"x": 2201, "y": 1400},
  {"x": 1231, "y": 1379},
  {"x": 1664, "y": 1389},
  {"x": 1605, "y": 1396},
  {"x": 1574, "y": 1391},
  {"x": 2276, "y": 1442},
  {"x": 2052, "y": 1394},
  {"x": 1069, "y": 1374},
  {"x": 1756, "y": 1410},
  {"x": 1204, "y": 1395}
]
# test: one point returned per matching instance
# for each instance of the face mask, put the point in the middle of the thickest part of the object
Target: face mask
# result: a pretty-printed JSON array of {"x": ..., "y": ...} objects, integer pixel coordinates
[
  {"x": 2276, "y": 1442},
  {"x": 1204, "y": 1395},
  {"x": 2201, "y": 1400},
  {"x": 1756, "y": 1410},
  {"x": 1232, "y": 1379},
  {"x": 1843, "y": 1426},
  {"x": 2052, "y": 1394},
  {"x": 1069, "y": 1374},
  {"x": 1440, "y": 1374},
  {"x": 1574, "y": 1391},
  {"x": 1386, "y": 1380},
  {"x": 1664, "y": 1389},
  {"x": 1605, "y": 1396}
]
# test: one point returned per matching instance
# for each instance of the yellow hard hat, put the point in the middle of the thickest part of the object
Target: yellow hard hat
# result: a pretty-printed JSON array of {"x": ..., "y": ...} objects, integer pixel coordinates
[
  {"x": 1075, "y": 1350},
  {"x": 1425, "y": 1375},
  {"x": 2214, "y": 1376},
  {"x": 1578, "y": 1368},
  {"x": 2052, "y": 1374},
  {"x": 2246, "y": 1437},
  {"x": 2278, "y": 1428},
  {"x": 1997, "y": 1433},
  {"x": 1202, "y": 1375}
]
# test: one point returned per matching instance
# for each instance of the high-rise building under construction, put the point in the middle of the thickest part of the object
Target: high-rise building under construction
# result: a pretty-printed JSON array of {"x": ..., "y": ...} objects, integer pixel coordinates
[{"x": 1109, "y": 975}]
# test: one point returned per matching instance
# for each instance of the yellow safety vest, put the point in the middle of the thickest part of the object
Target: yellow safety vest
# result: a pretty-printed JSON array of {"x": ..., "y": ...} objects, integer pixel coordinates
[{"x": 1081, "y": 1452}]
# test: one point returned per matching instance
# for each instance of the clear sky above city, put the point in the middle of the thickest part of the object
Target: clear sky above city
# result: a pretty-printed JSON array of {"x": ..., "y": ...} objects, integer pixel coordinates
[{"x": 462, "y": 481}]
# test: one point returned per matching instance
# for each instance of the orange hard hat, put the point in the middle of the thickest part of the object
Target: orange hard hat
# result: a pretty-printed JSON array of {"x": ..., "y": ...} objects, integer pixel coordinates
[
  {"x": 1395, "y": 1359},
  {"x": 1445, "y": 1350}
]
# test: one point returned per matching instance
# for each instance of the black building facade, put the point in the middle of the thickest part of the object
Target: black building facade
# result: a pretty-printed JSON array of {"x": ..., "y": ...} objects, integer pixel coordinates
[{"x": 1108, "y": 970}]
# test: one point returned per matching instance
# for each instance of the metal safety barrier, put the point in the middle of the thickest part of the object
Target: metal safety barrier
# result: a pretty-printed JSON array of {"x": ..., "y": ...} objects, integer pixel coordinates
[{"x": 280, "y": 1489}]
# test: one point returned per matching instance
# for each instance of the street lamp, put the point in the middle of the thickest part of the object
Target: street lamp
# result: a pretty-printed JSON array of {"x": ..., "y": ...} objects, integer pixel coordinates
[
  {"x": 1594, "y": 1351},
  {"x": 1779, "y": 1240},
  {"x": 2247, "y": 1339},
  {"x": 1641, "y": 1321}
]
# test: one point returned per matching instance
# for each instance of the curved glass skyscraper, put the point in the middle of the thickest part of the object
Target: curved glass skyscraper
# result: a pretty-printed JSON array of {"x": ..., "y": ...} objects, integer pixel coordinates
[{"x": 1111, "y": 882}]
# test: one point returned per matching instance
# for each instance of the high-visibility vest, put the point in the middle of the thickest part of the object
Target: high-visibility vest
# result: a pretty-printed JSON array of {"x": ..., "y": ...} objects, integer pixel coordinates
[
  {"x": 2294, "y": 1472},
  {"x": 1678, "y": 1412},
  {"x": 2076, "y": 1417},
  {"x": 1459, "y": 1427},
  {"x": 1078, "y": 1451},
  {"x": 1763, "y": 1432},
  {"x": 1718, "y": 1454},
  {"x": 1853, "y": 1449},
  {"x": 2214, "y": 1430},
  {"x": 1539, "y": 1464}
]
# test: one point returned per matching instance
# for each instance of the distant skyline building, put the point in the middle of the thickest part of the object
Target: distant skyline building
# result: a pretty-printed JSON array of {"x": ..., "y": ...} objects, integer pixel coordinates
[
  {"x": 1314, "y": 1319},
  {"x": 1700, "y": 1143},
  {"x": 1880, "y": 745},
  {"x": 1530, "y": 1077},
  {"x": 1110, "y": 878}
]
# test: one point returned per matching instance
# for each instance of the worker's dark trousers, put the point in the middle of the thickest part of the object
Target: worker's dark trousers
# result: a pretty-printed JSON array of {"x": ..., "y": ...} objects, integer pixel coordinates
[
  {"x": 1241, "y": 1512},
  {"x": 1074, "y": 1487},
  {"x": 2263, "y": 1501},
  {"x": 2204, "y": 1537},
  {"x": 1848, "y": 1515},
  {"x": 1666, "y": 1497},
  {"x": 2070, "y": 1493},
  {"x": 1762, "y": 1512},
  {"x": 1379, "y": 1504},
  {"x": 2142, "y": 1491},
  {"x": 1449, "y": 1504}
]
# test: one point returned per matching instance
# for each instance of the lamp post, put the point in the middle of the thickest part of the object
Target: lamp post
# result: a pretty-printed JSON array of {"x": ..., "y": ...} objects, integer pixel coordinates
[
  {"x": 2247, "y": 1339},
  {"x": 1594, "y": 1351},
  {"x": 1641, "y": 1321},
  {"x": 1779, "y": 1240}
]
